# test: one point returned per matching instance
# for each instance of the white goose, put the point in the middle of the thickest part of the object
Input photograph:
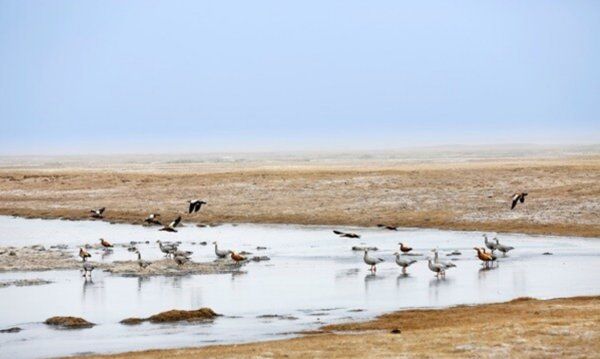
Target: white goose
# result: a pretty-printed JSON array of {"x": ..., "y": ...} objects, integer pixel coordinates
[
  {"x": 221, "y": 253},
  {"x": 502, "y": 248},
  {"x": 372, "y": 261},
  {"x": 437, "y": 268},
  {"x": 446, "y": 264},
  {"x": 404, "y": 263}
]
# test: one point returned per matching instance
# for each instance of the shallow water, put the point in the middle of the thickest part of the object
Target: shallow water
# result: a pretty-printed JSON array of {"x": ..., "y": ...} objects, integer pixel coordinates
[{"x": 313, "y": 276}]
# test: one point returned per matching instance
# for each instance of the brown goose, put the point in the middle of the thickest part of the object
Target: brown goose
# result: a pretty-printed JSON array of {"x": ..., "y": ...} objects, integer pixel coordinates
[
  {"x": 346, "y": 234},
  {"x": 518, "y": 197},
  {"x": 83, "y": 254},
  {"x": 105, "y": 243},
  {"x": 171, "y": 226},
  {"x": 237, "y": 257},
  {"x": 97, "y": 213},
  {"x": 404, "y": 249}
]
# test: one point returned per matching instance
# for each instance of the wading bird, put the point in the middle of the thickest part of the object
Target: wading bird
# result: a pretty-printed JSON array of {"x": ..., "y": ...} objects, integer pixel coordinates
[
  {"x": 97, "y": 213},
  {"x": 167, "y": 249},
  {"x": 445, "y": 264},
  {"x": 437, "y": 268},
  {"x": 87, "y": 268},
  {"x": 84, "y": 254},
  {"x": 171, "y": 226},
  {"x": 106, "y": 244},
  {"x": 346, "y": 234},
  {"x": 502, "y": 248},
  {"x": 403, "y": 263},
  {"x": 404, "y": 249},
  {"x": 372, "y": 261},
  {"x": 237, "y": 258},
  {"x": 195, "y": 205},
  {"x": 181, "y": 260},
  {"x": 142, "y": 263},
  {"x": 518, "y": 197},
  {"x": 490, "y": 244},
  {"x": 221, "y": 253},
  {"x": 486, "y": 258}
]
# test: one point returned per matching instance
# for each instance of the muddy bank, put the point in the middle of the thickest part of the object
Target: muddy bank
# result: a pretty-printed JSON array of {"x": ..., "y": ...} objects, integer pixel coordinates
[
  {"x": 524, "y": 328},
  {"x": 564, "y": 194},
  {"x": 37, "y": 258},
  {"x": 68, "y": 322},
  {"x": 174, "y": 316}
]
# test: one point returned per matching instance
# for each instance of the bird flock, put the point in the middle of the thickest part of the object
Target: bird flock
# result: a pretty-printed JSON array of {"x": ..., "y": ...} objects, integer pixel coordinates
[
  {"x": 170, "y": 249},
  {"x": 435, "y": 264}
]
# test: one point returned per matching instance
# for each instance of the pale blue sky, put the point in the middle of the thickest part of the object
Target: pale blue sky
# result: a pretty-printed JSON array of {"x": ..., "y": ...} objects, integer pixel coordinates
[{"x": 209, "y": 76}]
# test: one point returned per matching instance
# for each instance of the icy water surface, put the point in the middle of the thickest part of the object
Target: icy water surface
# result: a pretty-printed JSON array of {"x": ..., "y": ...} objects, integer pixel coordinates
[{"x": 313, "y": 278}]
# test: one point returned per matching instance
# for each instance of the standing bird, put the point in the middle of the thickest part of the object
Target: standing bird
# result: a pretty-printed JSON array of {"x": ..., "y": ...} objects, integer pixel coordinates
[
  {"x": 142, "y": 263},
  {"x": 486, "y": 258},
  {"x": 171, "y": 226},
  {"x": 153, "y": 219},
  {"x": 221, "y": 253},
  {"x": 404, "y": 263},
  {"x": 84, "y": 254},
  {"x": 502, "y": 248},
  {"x": 167, "y": 249},
  {"x": 491, "y": 245},
  {"x": 346, "y": 234},
  {"x": 87, "y": 268},
  {"x": 372, "y": 261},
  {"x": 404, "y": 249},
  {"x": 195, "y": 205},
  {"x": 518, "y": 197},
  {"x": 391, "y": 228},
  {"x": 106, "y": 244},
  {"x": 97, "y": 213},
  {"x": 445, "y": 264},
  {"x": 437, "y": 268},
  {"x": 237, "y": 258}
]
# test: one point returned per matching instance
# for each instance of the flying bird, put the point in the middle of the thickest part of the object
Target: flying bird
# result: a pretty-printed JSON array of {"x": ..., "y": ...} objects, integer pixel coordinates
[
  {"x": 391, "y": 228},
  {"x": 153, "y": 219},
  {"x": 171, "y": 226},
  {"x": 346, "y": 234},
  {"x": 195, "y": 205},
  {"x": 518, "y": 197},
  {"x": 97, "y": 213}
]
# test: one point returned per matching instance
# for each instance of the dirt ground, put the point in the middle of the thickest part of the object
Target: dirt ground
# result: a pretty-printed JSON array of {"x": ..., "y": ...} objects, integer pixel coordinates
[
  {"x": 564, "y": 192},
  {"x": 522, "y": 328}
]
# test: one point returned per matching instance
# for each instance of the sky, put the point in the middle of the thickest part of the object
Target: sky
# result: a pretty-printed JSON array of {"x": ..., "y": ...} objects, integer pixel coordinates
[{"x": 79, "y": 77}]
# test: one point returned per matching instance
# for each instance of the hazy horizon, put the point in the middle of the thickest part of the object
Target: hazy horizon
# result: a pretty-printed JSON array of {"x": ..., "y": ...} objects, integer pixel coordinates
[{"x": 234, "y": 77}]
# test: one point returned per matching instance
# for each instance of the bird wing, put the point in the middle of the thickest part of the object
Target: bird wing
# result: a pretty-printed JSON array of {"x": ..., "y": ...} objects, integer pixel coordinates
[
  {"x": 514, "y": 203},
  {"x": 176, "y": 221},
  {"x": 338, "y": 232},
  {"x": 101, "y": 210},
  {"x": 522, "y": 197},
  {"x": 191, "y": 207},
  {"x": 197, "y": 206}
]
